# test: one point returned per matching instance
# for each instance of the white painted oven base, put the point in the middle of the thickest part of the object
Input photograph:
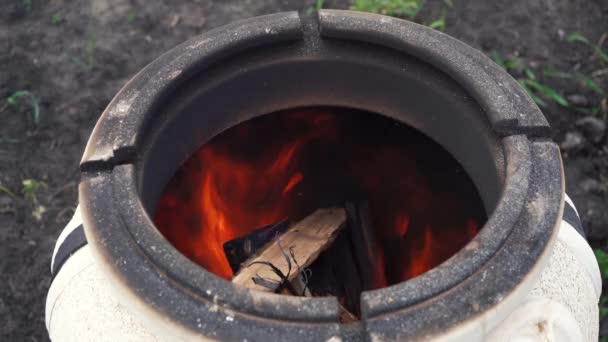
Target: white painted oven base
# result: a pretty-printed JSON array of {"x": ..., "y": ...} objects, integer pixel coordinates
[{"x": 562, "y": 305}]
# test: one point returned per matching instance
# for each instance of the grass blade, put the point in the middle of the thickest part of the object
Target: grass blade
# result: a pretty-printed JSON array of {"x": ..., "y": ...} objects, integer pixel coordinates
[
  {"x": 547, "y": 91},
  {"x": 13, "y": 99},
  {"x": 530, "y": 74},
  {"x": 590, "y": 83},
  {"x": 550, "y": 72},
  {"x": 7, "y": 191},
  {"x": 577, "y": 37},
  {"x": 439, "y": 24},
  {"x": 536, "y": 99},
  {"x": 498, "y": 60},
  {"x": 396, "y": 8}
]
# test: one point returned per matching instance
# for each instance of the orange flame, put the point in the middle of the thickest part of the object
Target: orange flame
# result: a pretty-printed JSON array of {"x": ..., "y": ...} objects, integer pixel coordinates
[
  {"x": 244, "y": 178},
  {"x": 297, "y": 178},
  {"x": 421, "y": 259},
  {"x": 403, "y": 223}
]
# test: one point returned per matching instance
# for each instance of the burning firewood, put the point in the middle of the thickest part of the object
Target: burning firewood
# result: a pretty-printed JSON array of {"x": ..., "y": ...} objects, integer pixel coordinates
[
  {"x": 271, "y": 268},
  {"x": 364, "y": 244},
  {"x": 349, "y": 266},
  {"x": 285, "y": 260},
  {"x": 241, "y": 249},
  {"x": 346, "y": 316}
]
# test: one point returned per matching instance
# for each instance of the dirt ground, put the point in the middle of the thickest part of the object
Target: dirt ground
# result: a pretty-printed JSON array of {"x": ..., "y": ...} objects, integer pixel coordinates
[{"x": 73, "y": 56}]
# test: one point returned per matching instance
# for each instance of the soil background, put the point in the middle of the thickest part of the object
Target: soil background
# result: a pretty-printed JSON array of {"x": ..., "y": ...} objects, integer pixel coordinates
[{"x": 75, "y": 55}]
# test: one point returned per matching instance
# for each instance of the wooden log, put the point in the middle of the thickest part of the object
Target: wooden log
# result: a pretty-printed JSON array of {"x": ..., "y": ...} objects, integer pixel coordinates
[
  {"x": 301, "y": 244},
  {"x": 363, "y": 241},
  {"x": 335, "y": 273},
  {"x": 346, "y": 316},
  {"x": 345, "y": 271},
  {"x": 300, "y": 285}
]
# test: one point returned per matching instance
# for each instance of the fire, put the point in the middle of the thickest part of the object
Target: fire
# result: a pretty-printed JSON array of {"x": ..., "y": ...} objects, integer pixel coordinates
[
  {"x": 234, "y": 197},
  {"x": 297, "y": 178},
  {"x": 421, "y": 259},
  {"x": 286, "y": 165},
  {"x": 403, "y": 222}
]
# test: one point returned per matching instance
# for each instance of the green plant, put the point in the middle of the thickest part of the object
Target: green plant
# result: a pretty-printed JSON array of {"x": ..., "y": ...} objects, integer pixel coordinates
[
  {"x": 318, "y": 5},
  {"x": 585, "y": 82},
  {"x": 30, "y": 190},
  {"x": 509, "y": 64},
  {"x": 13, "y": 102},
  {"x": 589, "y": 83},
  {"x": 31, "y": 187},
  {"x": 550, "y": 72},
  {"x": 56, "y": 19},
  {"x": 90, "y": 51},
  {"x": 7, "y": 191},
  {"x": 537, "y": 91},
  {"x": 577, "y": 37},
  {"x": 602, "y": 261},
  {"x": 439, "y": 24},
  {"x": 396, "y": 8},
  {"x": 603, "y": 308},
  {"x": 131, "y": 17}
]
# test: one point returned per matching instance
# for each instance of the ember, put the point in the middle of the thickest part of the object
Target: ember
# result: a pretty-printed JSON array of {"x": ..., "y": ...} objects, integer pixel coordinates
[{"x": 285, "y": 165}]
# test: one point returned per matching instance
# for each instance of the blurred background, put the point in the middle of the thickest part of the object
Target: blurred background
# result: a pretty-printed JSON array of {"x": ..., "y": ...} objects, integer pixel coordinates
[{"x": 62, "y": 61}]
